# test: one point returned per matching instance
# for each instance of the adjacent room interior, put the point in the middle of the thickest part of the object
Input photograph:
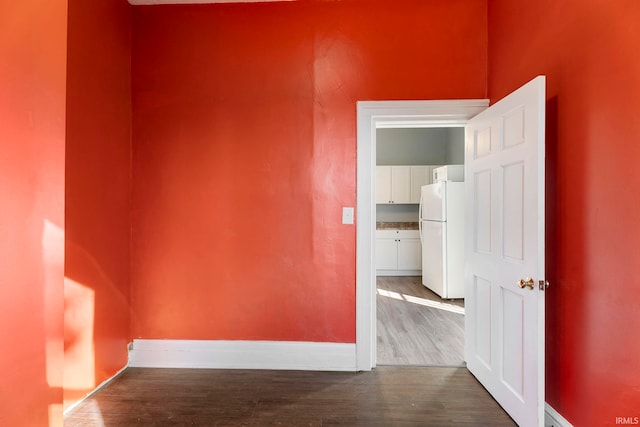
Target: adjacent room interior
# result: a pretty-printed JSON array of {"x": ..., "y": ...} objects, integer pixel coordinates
[{"x": 415, "y": 325}]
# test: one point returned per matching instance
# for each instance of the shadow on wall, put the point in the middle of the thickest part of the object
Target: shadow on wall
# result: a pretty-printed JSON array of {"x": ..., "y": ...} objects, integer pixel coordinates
[
  {"x": 551, "y": 190},
  {"x": 555, "y": 305}
]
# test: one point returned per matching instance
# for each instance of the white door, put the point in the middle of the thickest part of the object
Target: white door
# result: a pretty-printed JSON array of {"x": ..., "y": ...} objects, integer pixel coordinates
[{"x": 504, "y": 322}]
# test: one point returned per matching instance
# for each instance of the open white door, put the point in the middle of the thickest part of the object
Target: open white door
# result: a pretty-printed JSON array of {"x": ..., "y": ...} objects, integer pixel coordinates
[{"x": 504, "y": 277}]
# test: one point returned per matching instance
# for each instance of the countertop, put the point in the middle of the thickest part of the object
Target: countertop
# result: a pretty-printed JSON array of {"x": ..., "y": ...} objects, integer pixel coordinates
[{"x": 396, "y": 225}]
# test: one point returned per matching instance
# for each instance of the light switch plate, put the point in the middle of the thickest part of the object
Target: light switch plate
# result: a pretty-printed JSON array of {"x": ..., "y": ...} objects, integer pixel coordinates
[{"x": 347, "y": 215}]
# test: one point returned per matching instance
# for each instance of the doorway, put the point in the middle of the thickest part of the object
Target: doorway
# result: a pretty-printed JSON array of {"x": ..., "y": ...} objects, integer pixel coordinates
[
  {"x": 415, "y": 325},
  {"x": 371, "y": 116}
]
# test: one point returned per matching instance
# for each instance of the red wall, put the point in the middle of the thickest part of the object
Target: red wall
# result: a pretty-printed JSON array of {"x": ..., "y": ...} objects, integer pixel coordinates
[
  {"x": 589, "y": 51},
  {"x": 244, "y": 123},
  {"x": 244, "y": 127},
  {"x": 32, "y": 117},
  {"x": 98, "y": 193}
]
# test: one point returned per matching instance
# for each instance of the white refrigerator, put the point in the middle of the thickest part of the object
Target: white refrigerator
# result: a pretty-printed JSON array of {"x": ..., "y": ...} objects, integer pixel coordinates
[{"x": 441, "y": 217}]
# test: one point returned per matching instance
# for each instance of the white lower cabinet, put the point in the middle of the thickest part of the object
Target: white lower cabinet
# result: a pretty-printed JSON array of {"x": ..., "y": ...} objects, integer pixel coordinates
[
  {"x": 386, "y": 253},
  {"x": 398, "y": 253},
  {"x": 409, "y": 254}
]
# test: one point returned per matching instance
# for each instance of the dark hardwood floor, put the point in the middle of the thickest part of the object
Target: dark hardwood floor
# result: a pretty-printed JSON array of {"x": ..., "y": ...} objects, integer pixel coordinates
[
  {"x": 415, "y": 326},
  {"x": 386, "y": 396}
]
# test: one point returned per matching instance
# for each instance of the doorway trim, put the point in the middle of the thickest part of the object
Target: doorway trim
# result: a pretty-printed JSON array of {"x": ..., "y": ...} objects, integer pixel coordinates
[{"x": 372, "y": 115}]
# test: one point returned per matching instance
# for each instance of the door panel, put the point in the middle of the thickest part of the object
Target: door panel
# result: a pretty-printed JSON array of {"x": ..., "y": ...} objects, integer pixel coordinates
[
  {"x": 482, "y": 142},
  {"x": 504, "y": 322},
  {"x": 512, "y": 326},
  {"x": 513, "y": 215},
  {"x": 514, "y": 128},
  {"x": 482, "y": 211},
  {"x": 480, "y": 296}
]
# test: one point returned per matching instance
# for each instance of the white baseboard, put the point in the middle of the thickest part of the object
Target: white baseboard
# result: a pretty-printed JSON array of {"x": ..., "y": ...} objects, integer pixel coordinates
[
  {"x": 398, "y": 272},
  {"x": 310, "y": 356},
  {"x": 553, "y": 419}
]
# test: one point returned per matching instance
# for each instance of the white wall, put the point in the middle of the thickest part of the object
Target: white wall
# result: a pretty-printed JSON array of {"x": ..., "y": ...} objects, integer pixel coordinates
[
  {"x": 455, "y": 146},
  {"x": 397, "y": 213},
  {"x": 419, "y": 146}
]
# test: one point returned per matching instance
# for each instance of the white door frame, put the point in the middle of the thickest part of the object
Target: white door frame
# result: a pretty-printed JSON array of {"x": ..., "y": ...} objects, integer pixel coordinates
[{"x": 372, "y": 115}]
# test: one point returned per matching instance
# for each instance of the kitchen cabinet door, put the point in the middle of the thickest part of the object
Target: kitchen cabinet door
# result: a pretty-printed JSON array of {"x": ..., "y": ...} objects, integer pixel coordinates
[
  {"x": 393, "y": 184},
  {"x": 383, "y": 185},
  {"x": 398, "y": 252},
  {"x": 420, "y": 175},
  {"x": 401, "y": 184},
  {"x": 409, "y": 254},
  {"x": 386, "y": 254}
]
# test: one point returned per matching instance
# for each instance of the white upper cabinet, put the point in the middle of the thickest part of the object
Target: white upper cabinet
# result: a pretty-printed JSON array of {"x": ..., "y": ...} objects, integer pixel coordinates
[
  {"x": 401, "y": 184},
  {"x": 420, "y": 175},
  {"x": 393, "y": 184},
  {"x": 383, "y": 184}
]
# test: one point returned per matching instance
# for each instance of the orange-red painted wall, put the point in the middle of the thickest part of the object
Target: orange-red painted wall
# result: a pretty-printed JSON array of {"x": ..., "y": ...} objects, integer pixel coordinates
[
  {"x": 98, "y": 193},
  {"x": 32, "y": 132},
  {"x": 244, "y": 129},
  {"x": 589, "y": 52}
]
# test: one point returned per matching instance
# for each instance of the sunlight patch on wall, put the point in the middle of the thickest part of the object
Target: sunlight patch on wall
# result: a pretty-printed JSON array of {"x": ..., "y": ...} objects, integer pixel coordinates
[
  {"x": 53, "y": 260},
  {"x": 55, "y": 415},
  {"x": 79, "y": 351}
]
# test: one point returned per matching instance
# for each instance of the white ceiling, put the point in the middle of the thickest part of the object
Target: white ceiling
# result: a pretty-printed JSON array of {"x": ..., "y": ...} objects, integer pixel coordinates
[{"x": 137, "y": 2}]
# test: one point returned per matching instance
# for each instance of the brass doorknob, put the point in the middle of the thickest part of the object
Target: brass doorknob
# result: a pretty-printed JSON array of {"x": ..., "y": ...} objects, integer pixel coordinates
[{"x": 526, "y": 283}]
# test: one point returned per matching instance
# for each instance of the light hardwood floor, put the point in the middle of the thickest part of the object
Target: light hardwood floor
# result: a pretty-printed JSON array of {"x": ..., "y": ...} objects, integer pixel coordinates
[{"x": 415, "y": 326}]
